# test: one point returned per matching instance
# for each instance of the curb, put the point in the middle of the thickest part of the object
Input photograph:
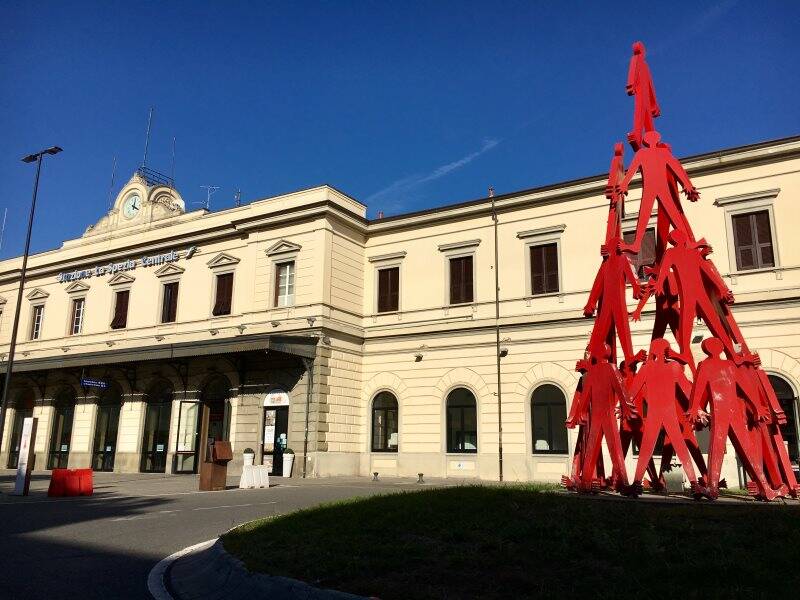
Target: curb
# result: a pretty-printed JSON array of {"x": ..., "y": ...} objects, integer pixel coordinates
[
  {"x": 206, "y": 570},
  {"x": 156, "y": 579}
]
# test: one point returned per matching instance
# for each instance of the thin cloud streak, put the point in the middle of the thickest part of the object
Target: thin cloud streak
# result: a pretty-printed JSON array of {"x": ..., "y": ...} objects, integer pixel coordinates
[{"x": 403, "y": 187}]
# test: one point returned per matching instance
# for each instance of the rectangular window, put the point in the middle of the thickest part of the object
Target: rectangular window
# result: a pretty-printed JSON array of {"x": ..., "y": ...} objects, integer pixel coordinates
[
  {"x": 76, "y": 319},
  {"x": 388, "y": 289},
  {"x": 646, "y": 256},
  {"x": 284, "y": 284},
  {"x": 222, "y": 303},
  {"x": 544, "y": 269},
  {"x": 36, "y": 321},
  {"x": 120, "y": 320},
  {"x": 752, "y": 238},
  {"x": 169, "y": 307},
  {"x": 461, "y": 280}
]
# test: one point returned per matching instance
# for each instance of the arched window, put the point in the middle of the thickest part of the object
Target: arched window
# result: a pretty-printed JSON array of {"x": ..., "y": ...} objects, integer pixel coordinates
[
  {"x": 548, "y": 415},
  {"x": 61, "y": 431},
  {"x": 156, "y": 428},
  {"x": 462, "y": 421},
  {"x": 384, "y": 423},
  {"x": 788, "y": 401}
]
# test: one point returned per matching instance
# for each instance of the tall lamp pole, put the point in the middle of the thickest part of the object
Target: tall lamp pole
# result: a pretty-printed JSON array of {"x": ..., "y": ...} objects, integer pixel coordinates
[
  {"x": 497, "y": 341},
  {"x": 37, "y": 158}
]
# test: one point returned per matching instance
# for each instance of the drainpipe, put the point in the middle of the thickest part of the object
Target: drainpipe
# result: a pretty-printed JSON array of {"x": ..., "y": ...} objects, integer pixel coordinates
[
  {"x": 497, "y": 340},
  {"x": 309, "y": 364}
]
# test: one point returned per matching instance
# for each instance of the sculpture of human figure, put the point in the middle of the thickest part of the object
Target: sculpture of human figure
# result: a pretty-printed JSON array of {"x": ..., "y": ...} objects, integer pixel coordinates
[
  {"x": 692, "y": 272},
  {"x": 661, "y": 380},
  {"x": 668, "y": 302},
  {"x": 579, "y": 417},
  {"x": 640, "y": 86},
  {"x": 609, "y": 290},
  {"x": 655, "y": 160},
  {"x": 718, "y": 383},
  {"x": 616, "y": 171},
  {"x": 602, "y": 390}
]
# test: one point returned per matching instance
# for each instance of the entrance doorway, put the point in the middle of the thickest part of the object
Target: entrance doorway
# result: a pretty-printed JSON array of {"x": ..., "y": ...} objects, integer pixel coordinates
[
  {"x": 216, "y": 407},
  {"x": 104, "y": 448},
  {"x": 156, "y": 428},
  {"x": 23, "y": 409},
  {"x": 276, "y": 430},
  {"x": 61, "y": 430}
]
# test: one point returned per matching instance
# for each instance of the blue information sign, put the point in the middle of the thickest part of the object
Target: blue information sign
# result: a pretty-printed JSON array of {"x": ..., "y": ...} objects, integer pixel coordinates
[{"x": 98, "y": 383}]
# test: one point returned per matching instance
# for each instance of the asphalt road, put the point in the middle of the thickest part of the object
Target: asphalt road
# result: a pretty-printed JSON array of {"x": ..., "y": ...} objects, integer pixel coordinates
[{"x": 105, "y": 545}]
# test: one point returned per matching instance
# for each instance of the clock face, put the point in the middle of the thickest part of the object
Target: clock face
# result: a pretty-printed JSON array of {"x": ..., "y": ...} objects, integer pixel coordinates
[{"x": 131, "y": 206}]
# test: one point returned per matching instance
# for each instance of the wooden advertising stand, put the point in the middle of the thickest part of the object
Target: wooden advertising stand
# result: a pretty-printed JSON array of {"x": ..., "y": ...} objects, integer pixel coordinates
[{"x": 214, "y": 468}]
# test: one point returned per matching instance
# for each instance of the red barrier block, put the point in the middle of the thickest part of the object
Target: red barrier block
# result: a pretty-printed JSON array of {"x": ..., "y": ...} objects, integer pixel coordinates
[
  {"x": 72, "y": 484},
  {"x": 86, "y": 482},
  {"x": 58, "y": 480}
]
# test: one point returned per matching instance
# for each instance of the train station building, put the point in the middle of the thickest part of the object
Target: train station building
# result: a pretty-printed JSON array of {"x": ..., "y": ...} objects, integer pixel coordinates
[{"x": 297, "y": 323}]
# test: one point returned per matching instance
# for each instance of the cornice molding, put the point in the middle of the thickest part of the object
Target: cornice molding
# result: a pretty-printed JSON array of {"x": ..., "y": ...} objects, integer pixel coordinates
[
  {"x": 223, "y": 259},
  {"x": 763, "y": 195},
  {"x": 542, "y": 231},
  {"x": 282, "y": 247},
  {"x": 121, "y": 279},
  {"x": 76, "y": 287},
  {"x": 169, "y": 269},
  {"x": 385, "y": 257},
  {"x": 37, "y": 294},
  {"x": 459, "y": 245}
]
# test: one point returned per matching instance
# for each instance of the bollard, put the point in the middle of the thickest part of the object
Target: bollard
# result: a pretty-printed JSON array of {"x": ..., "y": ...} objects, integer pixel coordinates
[{"x": 420, "y": 478}]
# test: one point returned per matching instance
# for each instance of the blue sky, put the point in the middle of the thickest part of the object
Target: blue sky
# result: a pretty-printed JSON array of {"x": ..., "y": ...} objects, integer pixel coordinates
[{"x": 404, "y": 105}]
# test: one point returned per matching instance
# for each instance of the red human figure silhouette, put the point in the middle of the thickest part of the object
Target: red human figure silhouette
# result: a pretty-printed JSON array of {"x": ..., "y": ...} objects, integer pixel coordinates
[
  {"x": 609, "y": 291},
  {"x": 658, "y": 166},
  {"x": 661, "y": 380},
  {"x": 602, "y": 390},
  {"x": 718, "y": 383},
  {"x": 769, "y": 450},
  {"x": 616, "y": 172},
  {"x": 692, "y": 272},
  {"x": 667, "y": 311},
  {"x": 630, "y": 430},
  {"x": 640, "y": 86},
  {"x": 579, "y": 417}
]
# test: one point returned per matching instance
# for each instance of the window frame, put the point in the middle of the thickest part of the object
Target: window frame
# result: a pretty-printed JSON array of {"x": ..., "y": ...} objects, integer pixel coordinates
[
  {"x": 215, "y": 298},
  {"x": 743, "y": 204},
  {"x": 540, "y": 237},
  {"x": 378, "y": 271},
  {"x": 164, "y": 285},
  {"x": 276, "y": 282},
  {"x": 74, "y": 301},
  {"x": 33, "y": 332},
  {"x": 373, "y": 410},
  {"x": 116, "y": 292},
  {"x": 446, "y": 421},
  {"x": 551, "y": 422},
  {"x": 448, "y": 281}
]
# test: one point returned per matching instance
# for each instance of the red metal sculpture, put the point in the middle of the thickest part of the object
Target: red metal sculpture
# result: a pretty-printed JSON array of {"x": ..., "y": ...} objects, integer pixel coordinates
[{"x": 660, "y": 396}]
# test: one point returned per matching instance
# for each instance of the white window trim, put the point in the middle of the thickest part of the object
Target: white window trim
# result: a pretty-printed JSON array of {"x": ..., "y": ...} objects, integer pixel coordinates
[
  {"x": 540, "y": 237},
  {"x": 747, "y": 203},
  {"x": 274, "y": 288},
  {"x": 448, "y": 256},
  {"x": 34, "y": 306}
]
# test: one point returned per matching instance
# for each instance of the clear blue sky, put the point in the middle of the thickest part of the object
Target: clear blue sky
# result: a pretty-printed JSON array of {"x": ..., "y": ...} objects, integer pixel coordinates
[{"x": 403, "y": 105}]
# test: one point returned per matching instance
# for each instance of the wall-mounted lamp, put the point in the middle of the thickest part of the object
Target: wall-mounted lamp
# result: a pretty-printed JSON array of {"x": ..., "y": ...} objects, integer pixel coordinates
[
  {"x": 274, "y": 323},
  {"x": 110, "y": 343},
  {"x": 503, "y": 352},
  {"x": 213, "y": 331},
  {"x": 159, "y": 338},
  {"x": 311, "y": 321},
  {"x": 65, "y": 348},
  {"x": 241, "y": 328},
  {"x": 418, "y": 357},
  {"x": 697, "y": 339}
]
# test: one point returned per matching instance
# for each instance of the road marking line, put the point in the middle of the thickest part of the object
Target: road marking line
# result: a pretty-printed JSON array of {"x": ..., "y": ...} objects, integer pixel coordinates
[{"x": 232, "y": 506}]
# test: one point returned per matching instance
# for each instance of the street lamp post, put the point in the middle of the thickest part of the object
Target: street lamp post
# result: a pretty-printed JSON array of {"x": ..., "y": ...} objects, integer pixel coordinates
[{"x": 37, "y": 158}]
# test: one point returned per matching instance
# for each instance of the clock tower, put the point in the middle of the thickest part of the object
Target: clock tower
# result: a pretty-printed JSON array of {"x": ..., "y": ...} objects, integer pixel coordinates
[{"x": 147, "y": 197}]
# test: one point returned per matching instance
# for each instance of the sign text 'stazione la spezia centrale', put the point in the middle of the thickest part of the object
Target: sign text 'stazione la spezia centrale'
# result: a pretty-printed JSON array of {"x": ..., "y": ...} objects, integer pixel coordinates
[{"x": 153, "y": 260}]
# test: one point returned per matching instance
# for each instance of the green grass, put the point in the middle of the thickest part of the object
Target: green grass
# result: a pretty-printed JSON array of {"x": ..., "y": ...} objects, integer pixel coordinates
[{"x": 521, "y": 541}]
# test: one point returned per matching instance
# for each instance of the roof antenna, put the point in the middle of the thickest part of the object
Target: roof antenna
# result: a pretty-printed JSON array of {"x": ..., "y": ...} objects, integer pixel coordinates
[
  {"x": 111, "y": 187},
  {"x": 210, "y": 191},
  {"x": 3, "y": 230},
  {"x": 237, "y": 198},
  {"x": 172, "y": 173},
  {"x": 147, "y": 137}
]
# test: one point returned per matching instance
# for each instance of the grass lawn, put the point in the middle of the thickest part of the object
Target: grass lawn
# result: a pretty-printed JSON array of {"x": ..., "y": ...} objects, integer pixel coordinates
[{"x": 523, "y": 541}]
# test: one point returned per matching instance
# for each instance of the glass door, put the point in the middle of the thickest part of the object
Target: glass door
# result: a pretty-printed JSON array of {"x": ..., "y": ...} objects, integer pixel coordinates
[
  {"x": 105, "y": 437},
  {"x": 276, "y": 428},
  {"x": 188, "y": 434},
  {"x": 20, "y": 414},
  {"x": 61, "y": 433},
  {"x": 156, "y": 435}
]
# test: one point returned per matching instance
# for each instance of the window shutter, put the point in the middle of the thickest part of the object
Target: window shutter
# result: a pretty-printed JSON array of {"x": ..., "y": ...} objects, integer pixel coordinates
[
  {"x": 121, "y": 310},
  {"x": 169, "y": 309},
  {"x": 744, "y": 243},
  {"x": 537, "y": 277},
  {"x": 388, "y": 289},
  {"x": 222, "y": 303},
  {"x": 764, "y": 239},
  {"x": 456, "y": 280},
  {"x": 467, "y": 277},
  {"x": 551, "y": 268}
]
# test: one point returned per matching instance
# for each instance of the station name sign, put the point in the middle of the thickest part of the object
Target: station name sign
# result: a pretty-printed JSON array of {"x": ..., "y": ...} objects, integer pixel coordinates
[{"x": 130, "y": 264}]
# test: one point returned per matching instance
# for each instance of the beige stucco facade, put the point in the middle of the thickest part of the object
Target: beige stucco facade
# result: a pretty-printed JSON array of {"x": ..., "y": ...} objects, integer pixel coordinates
[{"x": 333, "y": 333}]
